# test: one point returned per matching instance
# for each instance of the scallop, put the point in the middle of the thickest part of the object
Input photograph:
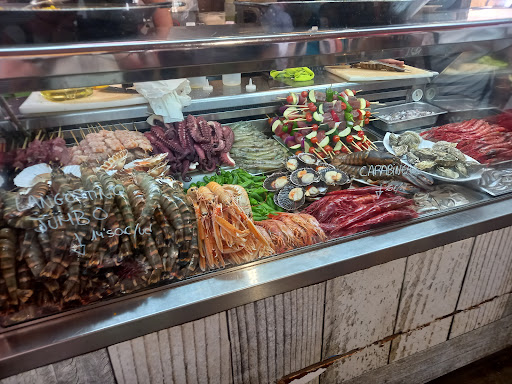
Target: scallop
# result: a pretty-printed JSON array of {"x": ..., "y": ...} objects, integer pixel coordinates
[
  {"x": 307, "y": 158},
  {"x": 292, "y": 164},
  {"x": 334, "y": 177},
  {"x": 303, "y": 176},
  {"x": 33, "y": 175},
  {"x": 290, "y": 198},
  {"x": 280, "y": 182},
  {"x": 272, "y": 183},
  {"x": 312, "y": 191}
]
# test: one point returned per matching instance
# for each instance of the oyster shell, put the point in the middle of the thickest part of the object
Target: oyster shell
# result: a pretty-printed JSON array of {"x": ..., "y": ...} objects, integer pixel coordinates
[
  {"x": 400, "y": 150},
  {"x": 411, "y": 139},
  {"x": 447, "y": 172},
  {"x": 393, "y": 140},
  {"x": 412, "y": 158},
  {"x": 461, "y": 169},
  {"x": 424, "y": 154},
  {"x": 445, "y": 159},
  {"x": 472, "y": 166},
  {"x": 425, "y": 165}
]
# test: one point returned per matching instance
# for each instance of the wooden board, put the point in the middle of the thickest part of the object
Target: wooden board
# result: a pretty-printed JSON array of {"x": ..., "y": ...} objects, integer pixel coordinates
[
  {"x": 91, "y": 368},
  {"x": 360, "y": 308},
  {"x": 37, "y": 104},
  {"x": 438, "y": 360},
  {"x": 357, "y": 74},
  {"x": 276, "y": 336},
  {"x": 195, "y": 352}
]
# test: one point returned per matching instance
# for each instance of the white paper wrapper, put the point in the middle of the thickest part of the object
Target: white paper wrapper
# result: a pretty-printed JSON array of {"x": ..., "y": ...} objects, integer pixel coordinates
[{"x": 166, "y": 97}]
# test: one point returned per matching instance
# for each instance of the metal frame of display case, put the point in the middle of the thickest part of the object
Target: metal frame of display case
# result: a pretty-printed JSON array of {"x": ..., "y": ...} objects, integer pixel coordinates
[{"x": 42, "y": 341}]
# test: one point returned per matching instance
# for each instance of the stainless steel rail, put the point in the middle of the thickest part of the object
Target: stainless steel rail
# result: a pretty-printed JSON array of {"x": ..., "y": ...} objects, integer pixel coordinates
[
  {"x": 194, "y": 51},
  {"x": 62, "y": 336}
]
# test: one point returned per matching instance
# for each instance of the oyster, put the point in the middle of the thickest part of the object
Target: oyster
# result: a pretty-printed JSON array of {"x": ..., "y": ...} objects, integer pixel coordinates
[
  {"x": 445, "y": 159},
  {"x": 447, "y": 172},
  {"x": 461, "y": 169},
  {"x": 411, "y": 139},
  {"x": 400, "y": 150},
  {"x": 425, "y": 165},
  {"x": 472, "y": 166},
  {"x": 412, "y": 158},
  {"x": 424, "y": 154},
  {"x": 442, "y": 145},
  {"x": 393, "y": 140}
]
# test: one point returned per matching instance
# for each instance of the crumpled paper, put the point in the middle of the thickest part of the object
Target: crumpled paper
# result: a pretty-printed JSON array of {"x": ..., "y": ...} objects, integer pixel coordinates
[{"x": 166, "y": 97}]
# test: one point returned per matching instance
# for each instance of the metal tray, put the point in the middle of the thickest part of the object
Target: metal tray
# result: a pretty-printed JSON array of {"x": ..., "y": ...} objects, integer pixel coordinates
[
  {"x": 403, "y": 125},
  {"x": 289, "y": 15}
]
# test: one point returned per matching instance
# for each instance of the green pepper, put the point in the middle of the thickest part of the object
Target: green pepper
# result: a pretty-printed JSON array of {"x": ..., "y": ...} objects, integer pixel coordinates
[
  {"x": 329, "y": 94},
  {"x": 349, "y": 107},
  {"x": 348, "y": 116}
]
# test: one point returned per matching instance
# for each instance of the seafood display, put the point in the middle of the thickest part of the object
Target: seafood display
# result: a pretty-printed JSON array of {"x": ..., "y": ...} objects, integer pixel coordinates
[
  {"x": 307, "y": 177},
  {"x": 40, "y": 151},
  {"x": 256, "y": 201},
  {"x": 440, "y": 159},
  {"x": 486, "y": 143},
  {"x": 443, "y": 197},
  {"x": 226, "y": 234},
  {"x": 379, "y": 166},
  {"x": 96, "y": 147},
  {"x": 287, "y": 231},
  {"x": 266, "y": 156},
  {"x": 192, "y": 143},
  {"x": 324, "y": 124},
  {"x": 349, "y": 211},
  {"x": 497, "y": 181},
  {"x": 73, "y": 240}
]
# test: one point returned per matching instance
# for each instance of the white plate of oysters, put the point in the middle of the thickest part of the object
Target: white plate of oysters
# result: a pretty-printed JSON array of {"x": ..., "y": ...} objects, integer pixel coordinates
[{"x": 440, "y": 160}]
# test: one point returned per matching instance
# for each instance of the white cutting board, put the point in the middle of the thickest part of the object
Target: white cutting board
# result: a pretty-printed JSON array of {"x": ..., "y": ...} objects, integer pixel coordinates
[
  {"x": 358, "y": 74},
  {"x": 37, "y": 104}
]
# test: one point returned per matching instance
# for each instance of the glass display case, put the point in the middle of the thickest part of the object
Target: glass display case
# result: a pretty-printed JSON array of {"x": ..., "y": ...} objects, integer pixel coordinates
[{"x": 119, "y": 194}]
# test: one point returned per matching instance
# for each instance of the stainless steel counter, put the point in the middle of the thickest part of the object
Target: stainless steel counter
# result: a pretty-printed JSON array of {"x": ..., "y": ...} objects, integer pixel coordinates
[
  {"x": 227, "y": 49},
  {"x": 62, "y": 336}
]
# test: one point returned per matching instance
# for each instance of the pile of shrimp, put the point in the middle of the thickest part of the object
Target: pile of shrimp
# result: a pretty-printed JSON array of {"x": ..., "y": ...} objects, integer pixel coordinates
[
  {"x": 98, "y": 146},
  {"x": 74, "y": 240},
  {"x": 289, "y": 231},
  {"x": 226, "y": 233}
]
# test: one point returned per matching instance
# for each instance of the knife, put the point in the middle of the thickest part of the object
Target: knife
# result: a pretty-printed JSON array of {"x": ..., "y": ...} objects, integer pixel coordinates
[{"x": 111, "y": 89}]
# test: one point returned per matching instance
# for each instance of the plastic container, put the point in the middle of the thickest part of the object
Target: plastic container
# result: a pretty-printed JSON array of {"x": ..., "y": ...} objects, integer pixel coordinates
[
  {"x": 232, "y": 79},
  {"x": 197, "y": 82}
]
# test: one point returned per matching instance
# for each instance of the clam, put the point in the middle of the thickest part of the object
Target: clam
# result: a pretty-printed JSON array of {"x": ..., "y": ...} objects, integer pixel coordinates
[
  {"x": 425, "y": 165},
  {"x": 276, "y": 181},
  {"x": 303, "y": 176},
  {"x": 447, "y": 172}
]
